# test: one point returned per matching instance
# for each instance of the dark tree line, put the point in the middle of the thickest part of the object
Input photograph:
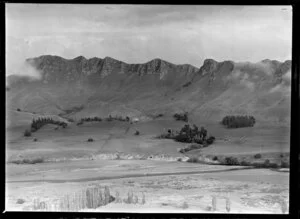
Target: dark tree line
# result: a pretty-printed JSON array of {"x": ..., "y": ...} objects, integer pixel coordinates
[
  {"x": 118, "y": 118},
  {"x": 190, "y": 134},
  {"x": 238, "y": 121},
  {"x": 98, "y": 119},
  {"x": 40, "y": 122},
  {"x": 181, "y": 117}
]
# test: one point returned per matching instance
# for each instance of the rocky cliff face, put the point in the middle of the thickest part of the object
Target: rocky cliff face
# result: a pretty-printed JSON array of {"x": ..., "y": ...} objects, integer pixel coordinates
[
  {"x": 103, "y": 86},
  {"x": 55, "y": 69}
]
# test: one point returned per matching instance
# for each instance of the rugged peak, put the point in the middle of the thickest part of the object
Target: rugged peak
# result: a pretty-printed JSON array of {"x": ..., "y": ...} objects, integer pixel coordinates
[
  {"x": 156, "y": 60},
  {"x": 272, "y": 62},
  {"x": 209, "y": 62},
  {"x": 110, "y": 59},
  {"x": 79, "y": 58},
  {"x": 209, "y": 65}
]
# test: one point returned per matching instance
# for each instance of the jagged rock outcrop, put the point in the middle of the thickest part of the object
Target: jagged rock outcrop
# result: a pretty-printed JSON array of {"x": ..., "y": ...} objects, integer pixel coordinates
[
  {"x": 107, "y": 85},
  {"x": 55, "y": 69}
]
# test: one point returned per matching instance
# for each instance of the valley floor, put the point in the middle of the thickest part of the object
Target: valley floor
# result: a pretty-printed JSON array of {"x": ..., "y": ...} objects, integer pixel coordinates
[
  {"x": 249, "y": 190},
  {"x": 145, "y": 165}
]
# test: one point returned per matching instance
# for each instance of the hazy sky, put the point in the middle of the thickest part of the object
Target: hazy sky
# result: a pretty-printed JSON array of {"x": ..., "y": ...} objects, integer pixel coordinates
[{"x": 136, "y": 34}]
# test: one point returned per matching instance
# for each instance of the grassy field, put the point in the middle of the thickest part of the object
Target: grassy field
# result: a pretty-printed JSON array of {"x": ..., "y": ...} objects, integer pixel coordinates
[
  {"x": 249, "y": 191},
  {"x": 66, "y": 164}
]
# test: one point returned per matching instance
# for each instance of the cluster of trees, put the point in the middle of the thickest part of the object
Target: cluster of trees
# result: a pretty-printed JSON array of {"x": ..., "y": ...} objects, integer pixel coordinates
[
  {"x": 190, "y": 134},
  {"x": 98, "y": 119},
  {"x": 118, "y": 118},
  {"x": 181, "y": 117},
  {"x": 238, "y": 121},
  {"x": 40, "y": 122}
]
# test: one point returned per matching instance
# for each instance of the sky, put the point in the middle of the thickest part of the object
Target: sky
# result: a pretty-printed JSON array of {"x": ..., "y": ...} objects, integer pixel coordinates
[{"x": 139, "y": 33}]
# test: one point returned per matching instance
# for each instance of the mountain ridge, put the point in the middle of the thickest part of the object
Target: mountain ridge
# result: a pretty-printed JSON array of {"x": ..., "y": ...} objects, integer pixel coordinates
[{"x": 109, "y": 86}]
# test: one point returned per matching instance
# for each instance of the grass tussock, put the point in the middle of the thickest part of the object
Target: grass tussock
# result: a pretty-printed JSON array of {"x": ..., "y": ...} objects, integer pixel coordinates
[
  {"x": 89, "y": 198},
  {"x": 90, "y": 140},
  {"x": 257, "y": 156}
]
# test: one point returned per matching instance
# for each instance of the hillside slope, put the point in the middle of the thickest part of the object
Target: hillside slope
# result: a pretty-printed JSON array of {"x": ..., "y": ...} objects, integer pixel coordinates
[{"x": 82, "y": 87}]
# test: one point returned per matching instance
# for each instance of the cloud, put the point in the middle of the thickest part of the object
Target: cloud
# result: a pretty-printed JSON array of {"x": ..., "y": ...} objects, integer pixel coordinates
[
  {"x": 285, "y": 85},
  {"x": 26, "y": 69},
  {"x": 249, "y": 84},
  {"x": 236, "y": 74},
  {"x": 258, "y": 67},
  {"x": 242, "y": 77},
  {"x": 139, "y": 33}
]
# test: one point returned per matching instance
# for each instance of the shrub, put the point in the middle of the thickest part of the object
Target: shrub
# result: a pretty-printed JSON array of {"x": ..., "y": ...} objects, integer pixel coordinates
[
  {"x": 257, "y": 156},
  {"x": 193, "y": 160},
  {"x": 27, "y": 133},
  {"x": 90, "y": 140},
  {"x": 215, "y": 158},
  {"x": 185, "y": 205},
  {"x": 18, "y": 109},
  {"x": 181, "y": 117},
  {"x": 231, "y": 161},
  {"x": 238, "y": 121},
  {"x": 20, "y": 201},
  {"x": 284, "y": 164},
  {"x": 35, "y": 139},
  {"x": 210, "y": 140},
  {"x": 33, "y": 161},
  {"x": 267, "y": 163},
  {"x": 245, "y": 163},
  {"x": 28, "y": 161},
  {"x": 273, "y": 165}
]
